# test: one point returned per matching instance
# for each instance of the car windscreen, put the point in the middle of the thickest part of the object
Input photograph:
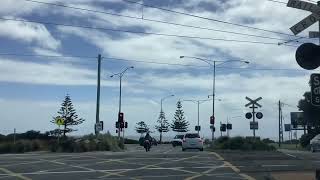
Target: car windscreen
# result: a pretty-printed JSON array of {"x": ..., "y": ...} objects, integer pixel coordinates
[{"x": 192, "y": 136}]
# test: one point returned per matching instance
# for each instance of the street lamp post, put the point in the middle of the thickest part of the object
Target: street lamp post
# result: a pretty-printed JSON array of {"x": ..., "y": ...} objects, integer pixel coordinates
[
  {"x": 120, "y": 75},
  {"x": 213, "y": 76},
  {"x": 198, "y": 103},
  {"x": 161, "y": 111}
]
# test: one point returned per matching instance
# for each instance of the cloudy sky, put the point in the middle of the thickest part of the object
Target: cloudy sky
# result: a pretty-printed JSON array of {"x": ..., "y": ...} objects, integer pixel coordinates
[{"x": 33, "y": 85}]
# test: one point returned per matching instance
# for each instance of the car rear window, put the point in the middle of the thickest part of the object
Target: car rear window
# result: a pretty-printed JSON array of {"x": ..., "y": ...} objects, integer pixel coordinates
[
  {"x": 192, "y": 136},
  {"x": 179, "y": 136}
]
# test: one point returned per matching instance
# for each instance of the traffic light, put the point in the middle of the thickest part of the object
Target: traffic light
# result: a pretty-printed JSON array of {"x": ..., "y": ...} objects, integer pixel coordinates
[
  {"x": 101, "y": 122},
  {"x": 229, "y": 126},
  {"x": 120, "y": 117},
  {"x": 121, "y": 125},
  {"x": 223, "y": 127},
  {"x": 117, "y": 125},
  {"x": 126, "y": 125},
  {"x": 212, "y": 119}
]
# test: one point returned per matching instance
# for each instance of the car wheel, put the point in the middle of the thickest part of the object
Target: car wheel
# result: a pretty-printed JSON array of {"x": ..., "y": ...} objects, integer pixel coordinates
[
  {"x": 201, "y": 149},
  {"x": 183, "y": 149},
  {"x": 312, "y": 149}
]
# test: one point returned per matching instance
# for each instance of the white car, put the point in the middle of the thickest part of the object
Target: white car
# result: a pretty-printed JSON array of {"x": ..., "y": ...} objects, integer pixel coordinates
[
  {"x": 177, "y": 140},
  {"x": 192, "y": 141},
  {"x": 315, "y": 143}
]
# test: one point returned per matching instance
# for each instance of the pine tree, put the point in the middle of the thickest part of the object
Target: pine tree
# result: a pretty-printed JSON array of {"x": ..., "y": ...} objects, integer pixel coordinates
[
  {"x": 69, "y": 115},
  {"x": 142, "y": 127},
  {"x": 163, "y": 124},
  {"x": 179, "y": 123}
]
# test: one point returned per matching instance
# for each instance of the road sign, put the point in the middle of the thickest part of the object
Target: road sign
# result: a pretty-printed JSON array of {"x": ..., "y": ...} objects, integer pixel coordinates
[
  {"x": 59, "y": 121},
  {"x": 259, "y": 115},
  {"x": 229, "y": 126},
  {"x": 213, "y": 129},
  {"x": 309, "y": 20},
  {"x": 254, "y": 125},
  {"x": 253, "y": 101},
  {"x": 314, "y": 34},
  {"x": 297, "y": 119},
  {"x": 287, "y": 127},
  {"x": 315, "y": 89},
  {"x": 248, "y": 115},
  {"x": 197, "y": 128}
]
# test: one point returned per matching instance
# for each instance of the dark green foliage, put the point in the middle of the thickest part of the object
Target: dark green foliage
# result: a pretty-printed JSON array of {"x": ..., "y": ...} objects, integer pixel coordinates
[
  {"x": 104, "y": 142},
  {"x": 240, "y": 143},
  {"x": 311, "y": 114},
  {"x": 142, "y": 127},
  {"x": 130, "y": 141},
  {"x": 20, "y": 146},
  {"x": 69, "y": 115},
  {"x": 179, "y": 123},
  {"x": 305, "y": 139},
  {"x": 163, "y": 124},
  {"x": 268, "y": 141}
]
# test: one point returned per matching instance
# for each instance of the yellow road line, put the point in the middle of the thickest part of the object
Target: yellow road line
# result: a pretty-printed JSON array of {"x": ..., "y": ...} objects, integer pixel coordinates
[
  {"x": 14, "y": 174},
  {"x": 217, "y": 155},
  {"x": 235, "y": 169},
  {"x": 247, "y": 176}
]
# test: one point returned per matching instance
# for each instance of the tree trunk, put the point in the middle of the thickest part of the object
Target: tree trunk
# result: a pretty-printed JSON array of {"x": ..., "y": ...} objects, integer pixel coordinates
[
  {"x": 161, "y": 137},
  {"x": 64, "y": 131}
]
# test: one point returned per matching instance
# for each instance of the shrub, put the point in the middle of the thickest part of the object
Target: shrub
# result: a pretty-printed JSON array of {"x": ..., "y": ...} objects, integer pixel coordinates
[
  {"x": 305, "y": 139},
  {"x": 240, "y": 143}
]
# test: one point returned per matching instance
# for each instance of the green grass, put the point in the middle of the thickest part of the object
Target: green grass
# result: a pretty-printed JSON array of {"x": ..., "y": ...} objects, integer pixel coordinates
[{"x": 288, "y": 146}]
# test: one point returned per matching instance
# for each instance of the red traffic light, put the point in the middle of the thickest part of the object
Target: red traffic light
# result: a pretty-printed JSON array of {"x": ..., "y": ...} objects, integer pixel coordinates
[
  {"x": 120, "y": 117},
  {"x": 212, "y": 120}
]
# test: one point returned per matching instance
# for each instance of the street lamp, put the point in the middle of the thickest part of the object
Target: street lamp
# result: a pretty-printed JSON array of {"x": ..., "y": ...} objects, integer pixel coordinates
[
  {"x": 161, "y": 111},
  {"x": 198, "y": 102},
  {"x": 120, "y": 75},
  {"x": 213, "y": 75}
]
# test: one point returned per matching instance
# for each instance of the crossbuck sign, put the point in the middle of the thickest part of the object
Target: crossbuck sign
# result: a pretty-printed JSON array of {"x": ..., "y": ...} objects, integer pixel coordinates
[{"x": 309, "y": 20}]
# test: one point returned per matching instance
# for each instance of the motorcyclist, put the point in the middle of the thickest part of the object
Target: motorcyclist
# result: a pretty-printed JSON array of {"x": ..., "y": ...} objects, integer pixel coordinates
[
  {"x": 147, "y": 141},
  {"x": 148, "y": 137}
]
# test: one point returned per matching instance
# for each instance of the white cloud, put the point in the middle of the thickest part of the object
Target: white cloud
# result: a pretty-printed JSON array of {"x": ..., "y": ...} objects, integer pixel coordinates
[
  {"x": 48, "y": 74},
  {"x": 29, "y": 33}
]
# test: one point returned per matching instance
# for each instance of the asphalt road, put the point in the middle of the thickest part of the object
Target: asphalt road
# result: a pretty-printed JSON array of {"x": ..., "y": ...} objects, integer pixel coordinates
[
  {"x": 162, "y": 162},
  {"x": 283, "y": 164}
]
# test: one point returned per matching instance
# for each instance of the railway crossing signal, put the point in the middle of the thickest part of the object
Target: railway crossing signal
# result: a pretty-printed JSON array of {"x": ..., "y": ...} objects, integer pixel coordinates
[{"x": 254, "y": 104}]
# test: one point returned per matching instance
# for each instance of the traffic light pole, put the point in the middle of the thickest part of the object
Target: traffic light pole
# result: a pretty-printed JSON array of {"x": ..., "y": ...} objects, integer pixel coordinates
[
  {"x": 120, "y": 104},
  {"x": 213, "y": 92},
  {"x": 98, "y": 94}
]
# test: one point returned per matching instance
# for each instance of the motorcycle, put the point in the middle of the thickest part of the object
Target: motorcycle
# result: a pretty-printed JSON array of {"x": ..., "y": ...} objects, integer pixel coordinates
[{"x": 147, "y": 145}]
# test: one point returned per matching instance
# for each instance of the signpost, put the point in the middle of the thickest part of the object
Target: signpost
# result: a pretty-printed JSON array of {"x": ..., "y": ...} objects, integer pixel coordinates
[
  {"x": 315, "y": 89},
  {"x": 254, "y": 104},
  {"x": 309, "y": 20},
  {"x": 313, "y": 34}
]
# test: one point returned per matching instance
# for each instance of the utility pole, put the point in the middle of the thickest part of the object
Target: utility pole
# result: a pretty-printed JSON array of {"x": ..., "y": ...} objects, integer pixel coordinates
[
  {"x": 280, "y": 124},
  {"x": 14, "y": 136},
  {"x": 98, "y": 94},
  {"x": 279, "y": 143}
]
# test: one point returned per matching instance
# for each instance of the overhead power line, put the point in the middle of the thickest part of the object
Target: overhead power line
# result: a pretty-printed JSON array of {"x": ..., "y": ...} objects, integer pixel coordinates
[
  {"x": 147, "y": 62},
  {"x": 207, "y": 18},
  {"x": 281, "y": 2},
  {"x": 155, "y": 21},
  {"x": 141, "y": 32}
]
